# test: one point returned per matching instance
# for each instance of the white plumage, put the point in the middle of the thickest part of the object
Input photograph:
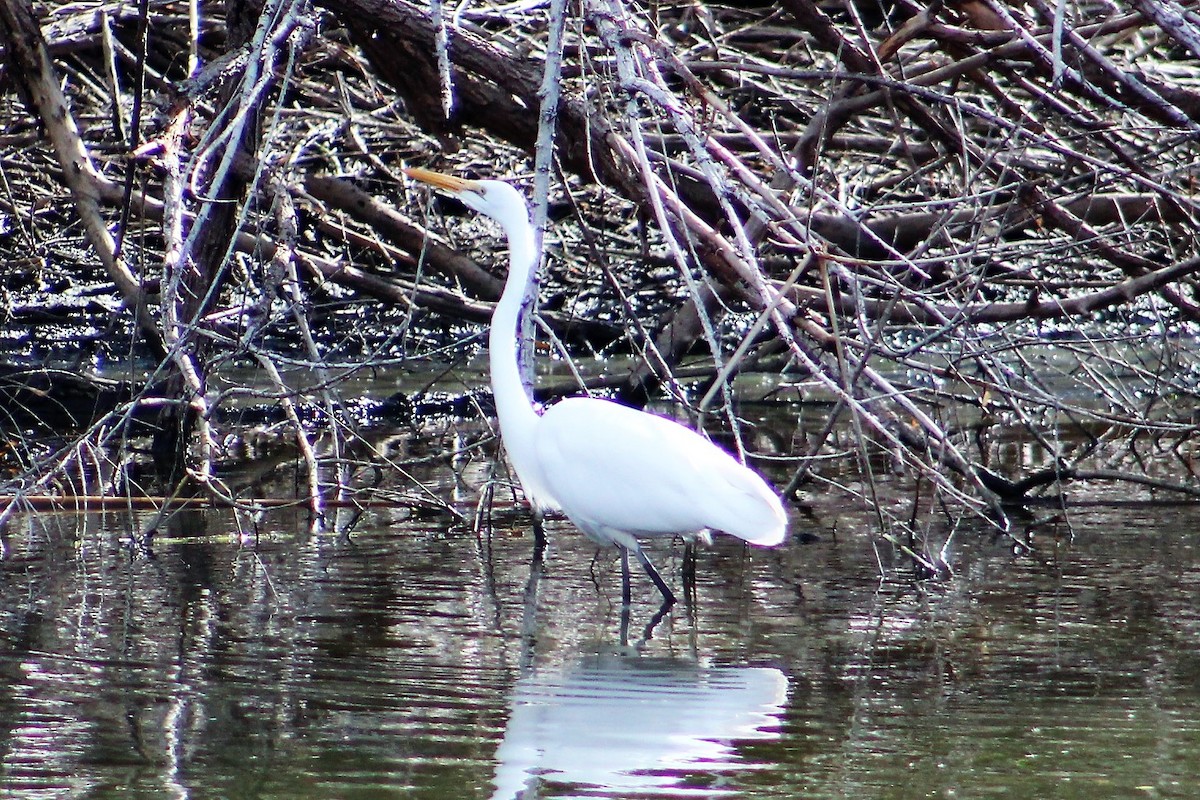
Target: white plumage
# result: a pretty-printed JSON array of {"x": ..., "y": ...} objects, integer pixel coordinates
[
  {"x": 619, "y": 473},
  {"x": 616, "y": 472}
]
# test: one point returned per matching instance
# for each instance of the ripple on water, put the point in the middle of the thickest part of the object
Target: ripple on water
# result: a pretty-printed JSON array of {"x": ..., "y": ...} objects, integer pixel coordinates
[{"x": 395, "y": 665}]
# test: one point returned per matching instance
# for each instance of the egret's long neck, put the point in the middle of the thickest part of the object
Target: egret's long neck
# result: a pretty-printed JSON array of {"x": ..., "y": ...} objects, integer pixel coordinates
[{"x": 513, "y": 406}]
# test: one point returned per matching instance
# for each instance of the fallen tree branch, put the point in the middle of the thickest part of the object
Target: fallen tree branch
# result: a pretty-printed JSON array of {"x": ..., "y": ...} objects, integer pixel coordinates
[{"x": 29, "y": 64}]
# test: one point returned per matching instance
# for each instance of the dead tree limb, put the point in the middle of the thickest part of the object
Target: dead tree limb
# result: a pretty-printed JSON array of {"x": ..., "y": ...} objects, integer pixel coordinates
[{"x": 30, "y": 65}]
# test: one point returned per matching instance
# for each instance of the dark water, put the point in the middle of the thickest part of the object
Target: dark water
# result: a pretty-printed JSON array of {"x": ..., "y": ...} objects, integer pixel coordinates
[{"x": 229, "y": 661}]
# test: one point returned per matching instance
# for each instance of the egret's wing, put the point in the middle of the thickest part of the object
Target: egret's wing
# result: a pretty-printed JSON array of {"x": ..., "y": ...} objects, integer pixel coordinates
[{"x": 616, "y": 468}]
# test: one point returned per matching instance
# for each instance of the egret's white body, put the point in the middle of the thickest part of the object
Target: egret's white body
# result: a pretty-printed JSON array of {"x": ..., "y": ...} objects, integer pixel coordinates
[{"x": 617, "y": 473}]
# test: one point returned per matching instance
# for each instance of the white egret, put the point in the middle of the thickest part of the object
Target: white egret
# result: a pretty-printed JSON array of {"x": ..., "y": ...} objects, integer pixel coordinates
[{"x": 617, "y": 473}]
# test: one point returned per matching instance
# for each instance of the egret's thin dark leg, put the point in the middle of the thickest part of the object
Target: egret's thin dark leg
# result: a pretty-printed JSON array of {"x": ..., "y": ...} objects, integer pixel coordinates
[
  {"x": 539, "y": 535},
  {"x": 529, "y": 617},
  {"x": 689, "y": 574},
  {"x": 626, "y": 596},
  {"x": 668, "y": 595}
]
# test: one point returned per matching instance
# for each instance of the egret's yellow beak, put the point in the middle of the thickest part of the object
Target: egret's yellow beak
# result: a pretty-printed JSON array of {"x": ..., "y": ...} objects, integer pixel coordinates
[{"x": 447, "y": 183}]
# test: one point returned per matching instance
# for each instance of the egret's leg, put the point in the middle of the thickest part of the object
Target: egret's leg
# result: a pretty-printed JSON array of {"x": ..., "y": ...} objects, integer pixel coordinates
[
  {"x": 539, "y": 535},
  {"x": 668, "y": 595},
  {"x": 529, "y": 617},
  {"x": 689, "y": 573},
  {"x": 626, "y": 594}
]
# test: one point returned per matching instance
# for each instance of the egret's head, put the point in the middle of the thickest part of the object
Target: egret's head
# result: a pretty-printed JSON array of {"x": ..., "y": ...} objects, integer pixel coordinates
[{"x": 496, "y": 199}]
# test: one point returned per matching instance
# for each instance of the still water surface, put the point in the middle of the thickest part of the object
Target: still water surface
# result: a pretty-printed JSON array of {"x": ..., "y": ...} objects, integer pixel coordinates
[{"x": 404, "y": 662}]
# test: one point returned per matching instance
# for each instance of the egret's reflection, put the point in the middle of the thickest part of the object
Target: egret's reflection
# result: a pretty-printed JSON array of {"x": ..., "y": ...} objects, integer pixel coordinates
[{"x": 633, "y": 725}]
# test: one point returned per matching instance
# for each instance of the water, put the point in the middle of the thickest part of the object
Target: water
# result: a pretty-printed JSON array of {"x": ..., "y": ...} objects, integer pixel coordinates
[{"x": 228, "y": 660}]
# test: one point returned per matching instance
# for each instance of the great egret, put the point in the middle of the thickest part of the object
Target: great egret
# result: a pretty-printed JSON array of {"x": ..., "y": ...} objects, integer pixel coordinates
[{"x": 616, "y": 472}]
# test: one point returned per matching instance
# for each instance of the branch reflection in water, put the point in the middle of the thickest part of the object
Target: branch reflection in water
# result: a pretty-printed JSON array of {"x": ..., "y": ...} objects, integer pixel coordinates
[{"x": 629, "y": 724}]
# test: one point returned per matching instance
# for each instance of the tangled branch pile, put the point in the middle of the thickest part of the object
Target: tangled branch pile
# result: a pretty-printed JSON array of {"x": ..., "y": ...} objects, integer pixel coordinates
[{"x": 970, "y": 226}]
